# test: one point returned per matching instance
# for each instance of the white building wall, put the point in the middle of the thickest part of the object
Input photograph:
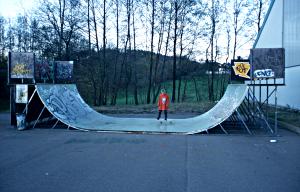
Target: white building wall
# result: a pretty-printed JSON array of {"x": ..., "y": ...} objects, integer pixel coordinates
[
  {"x": 271, "y": 36},
  {"x": 281, "y": 30}
]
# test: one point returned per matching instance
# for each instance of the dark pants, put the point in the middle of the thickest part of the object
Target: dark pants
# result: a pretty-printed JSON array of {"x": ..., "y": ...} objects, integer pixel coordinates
[{"x": 159, "y": 114}]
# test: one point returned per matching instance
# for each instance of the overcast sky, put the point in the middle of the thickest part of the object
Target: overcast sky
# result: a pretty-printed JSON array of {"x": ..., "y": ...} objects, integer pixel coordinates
[{"x": 11, "y": 8}]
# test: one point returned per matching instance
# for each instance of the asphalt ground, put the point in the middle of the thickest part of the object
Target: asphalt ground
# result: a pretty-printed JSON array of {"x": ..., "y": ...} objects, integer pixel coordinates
[{"x": 68, "y": 160}]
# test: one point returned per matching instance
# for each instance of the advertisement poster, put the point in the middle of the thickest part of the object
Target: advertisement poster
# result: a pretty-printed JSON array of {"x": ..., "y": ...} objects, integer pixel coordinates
[
  {"x": 44, "y": 69},
  {"x": 268, "y": 63},
  {"x": 21, "y": 93},
  {"x": 64, "y": 70},
  {"x": 21, "y": 65}
]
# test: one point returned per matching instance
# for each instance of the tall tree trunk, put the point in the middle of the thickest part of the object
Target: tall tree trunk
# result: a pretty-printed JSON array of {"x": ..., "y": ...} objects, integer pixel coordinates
[
  {"x": 89, "y": 27},
  {"x": 136, "y": 99},
  {"x": 151, "y": 54},
  {"x": 105, "y": 80},
  {"x": 164, "y": 58},
  {"x": 115, "y": 86},
  {"x": 98, "y": 50},
  {"x": 180, "y": 57},
  {"x": 174, "y": 53},
  {"x": 196, "y": 89},
  {"x": 127, "y": 52},
  {"x": 213, "y": 31},
  {"x": 184, "y": 91},
  {"x": 157, "y": 59},
  {"x": 236, "y": 15},
  {"x": 62, "y": 7},
  {"x": 95, "y": 25}
]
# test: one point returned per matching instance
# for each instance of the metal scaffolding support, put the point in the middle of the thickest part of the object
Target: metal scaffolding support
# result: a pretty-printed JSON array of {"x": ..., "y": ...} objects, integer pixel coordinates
[
  {"x": 257, "y": 110},
  {"x": 39, "y": 116}
]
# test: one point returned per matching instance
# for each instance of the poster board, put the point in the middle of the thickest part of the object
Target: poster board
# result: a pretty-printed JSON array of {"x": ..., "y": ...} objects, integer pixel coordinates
[
  {"x": 21, "y": 65},
  {"x": 240, "y": 70},
  {"x": 63, "y": 71},
  {"x": 21, "y": 93},
  {"x": 267, "y": 63},
  {"x": 44, "y": 70}
]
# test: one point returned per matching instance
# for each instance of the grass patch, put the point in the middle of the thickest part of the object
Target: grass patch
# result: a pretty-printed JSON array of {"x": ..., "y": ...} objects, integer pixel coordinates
[
  {"x": 287, "y": 115},
  {"x": 196, "y": 91}
]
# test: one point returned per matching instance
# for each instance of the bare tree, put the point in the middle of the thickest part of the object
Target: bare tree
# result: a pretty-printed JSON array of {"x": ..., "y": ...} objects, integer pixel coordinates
[
  {"x": 2, "y": 37},
  {"x": 89, "y": 25},
  {"x": 163, "y": 11},
  {"x": 151, "y": 52},
  {"x": 93, "y": 8},
  {"x": 167, "y": 42},
  {"x": 176, "y": 9},
  {"x": 239, "y": 21},
  {"x": 214, "y": 15},
  {"x": 135, "y": 93},
  {"x": 65, "y": 20}
]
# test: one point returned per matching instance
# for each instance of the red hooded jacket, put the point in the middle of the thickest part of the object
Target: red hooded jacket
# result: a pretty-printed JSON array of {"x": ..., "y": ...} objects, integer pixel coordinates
[{"x": 163, "y": 102}]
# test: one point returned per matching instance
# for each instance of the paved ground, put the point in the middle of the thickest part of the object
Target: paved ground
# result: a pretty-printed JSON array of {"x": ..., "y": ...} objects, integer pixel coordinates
[{"x": 61, "y": 160}]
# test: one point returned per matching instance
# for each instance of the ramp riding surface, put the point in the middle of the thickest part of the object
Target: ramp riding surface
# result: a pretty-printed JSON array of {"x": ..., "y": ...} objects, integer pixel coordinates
[{"x": 65, "y": 103}]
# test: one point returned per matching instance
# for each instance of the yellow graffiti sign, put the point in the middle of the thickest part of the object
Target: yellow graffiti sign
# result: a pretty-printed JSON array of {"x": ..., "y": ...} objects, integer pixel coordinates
[
  {"x": 20, "y": 69},
  {"x": 241, "y": 69}
]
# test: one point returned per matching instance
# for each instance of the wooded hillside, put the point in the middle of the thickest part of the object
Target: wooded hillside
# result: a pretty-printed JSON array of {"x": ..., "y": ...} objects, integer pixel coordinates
[{"x": 126, "y": 47}]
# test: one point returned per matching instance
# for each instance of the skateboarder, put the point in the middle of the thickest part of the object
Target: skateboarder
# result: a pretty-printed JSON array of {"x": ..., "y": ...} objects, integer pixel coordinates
[{"x": 163, "y": 104}]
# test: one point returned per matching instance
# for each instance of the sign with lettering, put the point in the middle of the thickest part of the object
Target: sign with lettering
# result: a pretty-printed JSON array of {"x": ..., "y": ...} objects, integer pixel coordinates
[
  {"x": 268, "y": 62},
  {"x": 264, "y": 73},
  {"x": 21, "y": 65}
]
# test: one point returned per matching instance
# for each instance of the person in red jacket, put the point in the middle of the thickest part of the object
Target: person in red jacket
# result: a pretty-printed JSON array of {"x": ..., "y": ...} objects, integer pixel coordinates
[{"x": 163, "y": 104}]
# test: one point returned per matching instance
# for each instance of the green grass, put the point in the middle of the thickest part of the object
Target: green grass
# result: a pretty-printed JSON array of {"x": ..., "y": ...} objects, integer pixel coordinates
[
  {"x": 190, "y": 96},
  {"x": 285, "y": 114},
  {"x": 191, "y": 103}
]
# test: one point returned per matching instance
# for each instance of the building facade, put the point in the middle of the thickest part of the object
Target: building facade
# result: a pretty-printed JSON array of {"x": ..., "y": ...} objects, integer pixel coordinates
[{"x": 281, "y": 29}]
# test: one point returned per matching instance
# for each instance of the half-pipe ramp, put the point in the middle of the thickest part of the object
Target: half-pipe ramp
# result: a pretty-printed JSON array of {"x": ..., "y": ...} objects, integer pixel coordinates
[{"x": 65, "y": 103}]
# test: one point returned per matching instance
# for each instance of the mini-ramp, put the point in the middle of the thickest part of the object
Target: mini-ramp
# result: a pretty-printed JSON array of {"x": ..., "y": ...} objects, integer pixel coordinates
[{"x": 65, "y": 103}]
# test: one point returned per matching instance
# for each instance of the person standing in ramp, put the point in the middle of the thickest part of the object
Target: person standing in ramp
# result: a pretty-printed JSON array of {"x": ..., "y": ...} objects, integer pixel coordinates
[{"x": 163, "y": 104}]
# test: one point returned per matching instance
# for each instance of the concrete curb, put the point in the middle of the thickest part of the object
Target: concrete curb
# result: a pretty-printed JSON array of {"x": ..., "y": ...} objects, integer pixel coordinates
[{"x": 286, "y": 126}]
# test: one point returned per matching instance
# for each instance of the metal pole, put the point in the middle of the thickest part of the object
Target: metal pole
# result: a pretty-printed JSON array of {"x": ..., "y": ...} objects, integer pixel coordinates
[
  {"x": 26, "y": 108},
  {"x": 267, "y": 100},
  {"x": 253, "y": 92},
  {"x": 276, "y": 126},
  {"x": 259, "y": 91},
  {"x": 223, "y": 129},
  {"x": 55, "y": 124},
  {"x": 241, "y": 119},
  {"x": 261, "y": 114},
  {"x": 39, "y": 117}
]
